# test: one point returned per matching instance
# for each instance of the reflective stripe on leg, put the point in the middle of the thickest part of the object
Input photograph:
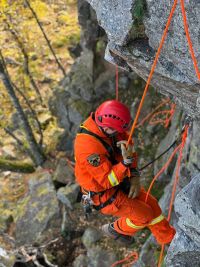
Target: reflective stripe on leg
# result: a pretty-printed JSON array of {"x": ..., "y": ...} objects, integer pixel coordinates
[
  {"x": 157, "y": 220},
  {"x": 132, "y": 225}
]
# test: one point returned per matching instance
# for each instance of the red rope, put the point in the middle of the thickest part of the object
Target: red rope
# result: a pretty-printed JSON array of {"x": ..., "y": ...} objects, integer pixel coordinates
[
  {"x": 117, "y": 82},
  {"x": 133, "y": 255},
  {"x": 189, "y": 39}
]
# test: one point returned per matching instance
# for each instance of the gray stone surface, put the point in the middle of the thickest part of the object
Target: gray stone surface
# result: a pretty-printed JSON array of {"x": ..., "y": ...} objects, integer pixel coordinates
[
  {"x": 96, "y": 257},
  {"x": 81, "y": 261},
  {"x": 188, "y": 202},
  {"x": 90, "y": 236},
  {"x": 175, "y": 75},
  {"x": 68, "y": 195},
  {"x": 37, "y": 210},
  {"x": 183, "y": 252},
  {"x": 63, "y": 173},
  {"x": 173, "y": 133},
  {"x": 185, "y": 248},
  {"x": 115, "y": 17},
  {"x": 72, "y": 100},
  {"x": 175, "y": 50},
  {"x": 100, "y": 258}
]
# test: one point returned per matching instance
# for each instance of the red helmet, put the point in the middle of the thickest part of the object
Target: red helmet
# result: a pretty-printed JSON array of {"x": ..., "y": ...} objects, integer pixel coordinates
[{"x": 114, "y": 114}]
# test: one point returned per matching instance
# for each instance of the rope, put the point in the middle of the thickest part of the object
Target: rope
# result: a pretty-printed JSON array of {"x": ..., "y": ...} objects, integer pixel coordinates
[
  {"x": 159, "y": 156},
  {"x": 150, "y": 114},
  {"x": 70, "y": 164},
  {"x": 117, "y": 82},
  {"x": 189, "y": 39},
  {"x": 130, "y": 261},
  {"x": 168, "y": 113},
  {"x": 161, "y": 171},
  {"x": 152, "y": 70},
  {"x": 181, "y": 147},
  {"x": 184, "y": 136}
]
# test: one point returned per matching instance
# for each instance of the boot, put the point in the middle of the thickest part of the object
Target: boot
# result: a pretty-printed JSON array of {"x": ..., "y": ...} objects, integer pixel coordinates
[{"x": 109, "y": 231}]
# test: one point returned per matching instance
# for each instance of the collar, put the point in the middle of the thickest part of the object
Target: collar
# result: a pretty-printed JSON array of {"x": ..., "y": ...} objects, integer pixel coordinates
[{"x": 91, "y": 125}]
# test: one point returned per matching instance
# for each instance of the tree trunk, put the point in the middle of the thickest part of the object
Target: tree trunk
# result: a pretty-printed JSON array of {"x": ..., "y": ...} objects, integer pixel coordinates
[{"x": 36, "y": 150}]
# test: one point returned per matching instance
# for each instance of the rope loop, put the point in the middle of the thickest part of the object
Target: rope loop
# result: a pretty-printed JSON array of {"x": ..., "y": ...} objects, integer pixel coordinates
[{"x": 130, "y": 259}]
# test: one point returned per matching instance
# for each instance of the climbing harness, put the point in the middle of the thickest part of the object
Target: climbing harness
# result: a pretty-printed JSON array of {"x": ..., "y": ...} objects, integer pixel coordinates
[{"x": 88, "y": 203}]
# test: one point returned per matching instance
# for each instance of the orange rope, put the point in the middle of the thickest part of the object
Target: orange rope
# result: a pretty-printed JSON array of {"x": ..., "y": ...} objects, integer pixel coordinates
[
  {"x": 150, "y": 114},
  {"x": 152, "y": 70},
  {"x": 173, "y": 108},
  {"x": 161, "y": 255},
  {"x": 184, "y": 136},
  {"x": 168, "y": 113},
  {"x": 162, "y": 170},
  {"x": 189, "y": 39},
  {"x": 117, "y": 82},
  {"x": 133, "y": 255}
]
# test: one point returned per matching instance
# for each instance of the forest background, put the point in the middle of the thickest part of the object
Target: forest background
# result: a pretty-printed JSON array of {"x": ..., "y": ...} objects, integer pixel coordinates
[{"x": 36, "y": 52}]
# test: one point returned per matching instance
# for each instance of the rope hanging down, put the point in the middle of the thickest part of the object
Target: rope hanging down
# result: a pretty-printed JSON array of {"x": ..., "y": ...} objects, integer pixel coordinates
[
  {"x": 189, "y": 39},
  {"x": 181, "y": 147},
  {"x": 152, "y": 70},
  {"x": 184, "y": 136},
  {"x": 117, "y": 82}
]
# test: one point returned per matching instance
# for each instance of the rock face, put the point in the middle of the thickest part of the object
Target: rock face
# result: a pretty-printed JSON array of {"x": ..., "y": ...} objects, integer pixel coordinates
[
  {"x": 175, "y": 75},
  {"x": 37, "y": 211},
  {"x": 134, "y": 30},
  {"x": 185, "y": 248}
]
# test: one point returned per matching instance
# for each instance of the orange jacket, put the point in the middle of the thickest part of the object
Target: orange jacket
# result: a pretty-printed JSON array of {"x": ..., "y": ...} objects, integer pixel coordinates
[{"x": 103, "y": 175}]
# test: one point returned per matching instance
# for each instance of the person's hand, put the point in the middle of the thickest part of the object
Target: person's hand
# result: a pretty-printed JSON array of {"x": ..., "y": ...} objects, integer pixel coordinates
[
  {"x": 134, "y": 187},
  {"x": 127, "y": 152}
]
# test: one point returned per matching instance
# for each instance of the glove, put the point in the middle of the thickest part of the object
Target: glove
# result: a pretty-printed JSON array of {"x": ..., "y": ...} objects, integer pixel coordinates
[
  {"x": 127, "y": 153},
  {"x": 134, "y": 187}
]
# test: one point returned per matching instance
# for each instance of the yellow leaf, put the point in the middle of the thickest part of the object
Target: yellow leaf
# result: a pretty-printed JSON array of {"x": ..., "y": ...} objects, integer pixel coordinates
[
  {"x": 3, "y": 4},
  {"x": 40, "y": 8}
]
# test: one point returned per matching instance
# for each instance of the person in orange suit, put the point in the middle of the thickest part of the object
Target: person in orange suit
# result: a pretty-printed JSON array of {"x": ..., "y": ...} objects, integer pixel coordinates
[{"x": 106, "y": 170}]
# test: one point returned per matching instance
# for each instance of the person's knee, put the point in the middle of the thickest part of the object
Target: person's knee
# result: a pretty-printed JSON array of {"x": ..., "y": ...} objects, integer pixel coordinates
[{"x": 146, "y": 216}]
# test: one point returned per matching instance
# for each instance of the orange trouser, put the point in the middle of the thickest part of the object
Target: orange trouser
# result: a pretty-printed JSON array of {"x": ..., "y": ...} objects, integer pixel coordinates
[{"x": 135, "y": 214}]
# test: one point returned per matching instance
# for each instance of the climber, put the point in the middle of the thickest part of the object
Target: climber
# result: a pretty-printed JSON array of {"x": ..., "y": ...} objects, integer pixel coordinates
[{"x": 106, "y": 169}]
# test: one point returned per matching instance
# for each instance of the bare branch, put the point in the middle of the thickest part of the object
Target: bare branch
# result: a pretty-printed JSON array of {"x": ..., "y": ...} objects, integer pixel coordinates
[
  {"x": 26, "y": 59},
  {"x": 36, "y": 150},
  {"x": 28, "y": 104},
  {"x": 46, "y": 38},
  {"x": 33, "y": 113}
]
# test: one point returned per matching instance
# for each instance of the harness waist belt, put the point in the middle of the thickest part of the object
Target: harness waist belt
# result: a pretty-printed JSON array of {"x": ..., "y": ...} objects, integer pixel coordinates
[{"x": 107, "y": 202}]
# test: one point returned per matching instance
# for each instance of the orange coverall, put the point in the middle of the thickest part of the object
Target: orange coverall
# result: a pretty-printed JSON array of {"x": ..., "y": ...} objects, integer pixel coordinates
[{"x": 134, "y": 214}]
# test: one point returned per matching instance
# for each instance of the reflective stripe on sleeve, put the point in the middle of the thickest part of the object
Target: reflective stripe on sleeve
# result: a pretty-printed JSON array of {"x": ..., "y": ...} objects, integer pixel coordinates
[
  {"x": 157, "y": 220},
  {"x": 132, "y": 225},
  {"x": 113, "y": 179}
]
